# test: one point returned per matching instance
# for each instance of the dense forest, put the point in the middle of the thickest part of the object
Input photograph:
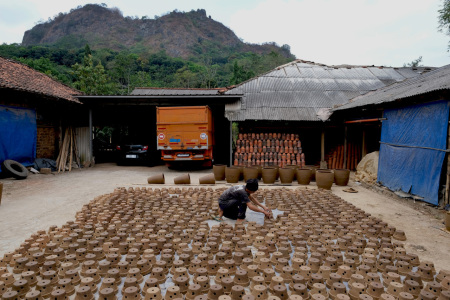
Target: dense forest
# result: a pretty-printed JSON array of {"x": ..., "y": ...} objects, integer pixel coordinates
[{"x": 98, "y": 69}]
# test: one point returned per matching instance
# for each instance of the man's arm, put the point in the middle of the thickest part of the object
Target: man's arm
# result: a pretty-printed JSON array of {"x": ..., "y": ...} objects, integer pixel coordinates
[
  {"x": 256, "y": 202},
  {"x": 255, "y": 208}
]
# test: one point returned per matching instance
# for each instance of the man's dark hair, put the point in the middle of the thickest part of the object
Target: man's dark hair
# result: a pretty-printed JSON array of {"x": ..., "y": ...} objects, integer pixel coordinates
[{"x": 252, "y": 185}]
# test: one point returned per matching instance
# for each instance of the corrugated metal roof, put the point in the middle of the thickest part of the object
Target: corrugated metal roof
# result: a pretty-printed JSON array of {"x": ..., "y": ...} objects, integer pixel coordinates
[
  {"x": 296, "y": 91},
  {"x": 177, "y": 92},
  {"x": 438, "y": 79}
]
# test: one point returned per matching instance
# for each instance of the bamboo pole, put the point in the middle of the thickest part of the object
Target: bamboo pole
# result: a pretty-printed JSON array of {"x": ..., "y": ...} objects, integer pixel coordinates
[{"x": 71, "y": 149}]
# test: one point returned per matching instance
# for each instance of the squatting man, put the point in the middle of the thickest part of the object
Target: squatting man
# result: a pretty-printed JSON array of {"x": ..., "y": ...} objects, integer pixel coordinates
[{"x": 234, "y": 201}]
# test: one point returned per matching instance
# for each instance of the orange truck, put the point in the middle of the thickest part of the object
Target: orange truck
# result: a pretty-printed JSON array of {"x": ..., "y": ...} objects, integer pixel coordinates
[{"x": 185, "y": 134}]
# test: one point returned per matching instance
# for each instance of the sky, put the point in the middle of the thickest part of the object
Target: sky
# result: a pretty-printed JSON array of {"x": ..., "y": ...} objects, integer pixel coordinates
[{"x": 332, "y": 32}]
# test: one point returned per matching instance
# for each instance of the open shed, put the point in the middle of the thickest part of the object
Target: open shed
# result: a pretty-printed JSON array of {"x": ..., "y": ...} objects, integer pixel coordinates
[
  {"x": 34, "y": 111},
  {"x": 414, "y": 133}
]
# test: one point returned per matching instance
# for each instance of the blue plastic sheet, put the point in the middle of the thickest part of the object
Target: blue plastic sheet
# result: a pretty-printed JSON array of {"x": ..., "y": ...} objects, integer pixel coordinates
[
  {"x": 18, "y": 133},
  {"x": 412, "y": 150}
]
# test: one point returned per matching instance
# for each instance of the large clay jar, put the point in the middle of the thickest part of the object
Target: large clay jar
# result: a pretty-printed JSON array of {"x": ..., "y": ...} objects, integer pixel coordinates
[
  {"x": 250, "y": 173},
  {"x": 313, "y": 169},
  {"x": 304, "y": 176},
  {"x": 232, "y": 174},
  {"x": 447, "y": 221},
  {"x": 154, "y": 179},
  {"x": 1, "y": 191},
  {"x": 286, "y": 175},
  {"x": 295, "y": 167},
  {"x": 324, "y": 178},
  {"x": 219, "y": 172},
  {"x": 259, "y": 170},
  {"x": 182, "y": 179},
  {"x": 341, "y": 176},
  {"x": 207, "y": 179},
  {"x": 269, "y": 175}
]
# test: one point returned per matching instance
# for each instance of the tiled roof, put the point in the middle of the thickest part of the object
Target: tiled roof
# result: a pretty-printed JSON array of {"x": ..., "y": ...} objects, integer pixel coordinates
[
  {"x": 299, "y": 90},
  {"x": 438, "y": 79},
  {"x": 17, "y": 76}
]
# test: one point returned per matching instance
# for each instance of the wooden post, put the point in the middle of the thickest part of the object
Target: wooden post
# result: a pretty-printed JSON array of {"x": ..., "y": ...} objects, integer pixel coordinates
[
  {"x": 231, "y": 144},
  {"x": 345, "y": 147},
  {"x": 447, "y": 183},
  {"x": 91, "y": 145},
  {"x": 323, "y": 163},
  {"x": 364, "y": 146}
]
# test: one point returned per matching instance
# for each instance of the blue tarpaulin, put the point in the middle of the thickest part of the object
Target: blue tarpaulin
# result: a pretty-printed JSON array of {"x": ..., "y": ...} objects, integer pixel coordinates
[
  {"x": 412, "y": 150},
  {"x": 18, "y": 134}
]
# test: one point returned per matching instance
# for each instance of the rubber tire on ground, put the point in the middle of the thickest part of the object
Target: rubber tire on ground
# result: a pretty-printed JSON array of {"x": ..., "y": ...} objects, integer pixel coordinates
[{"x": 14, "y": 169}]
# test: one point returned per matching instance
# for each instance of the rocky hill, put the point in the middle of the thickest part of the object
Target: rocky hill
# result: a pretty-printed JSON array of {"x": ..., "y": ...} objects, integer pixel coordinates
[{"x": 180, "y": 34}]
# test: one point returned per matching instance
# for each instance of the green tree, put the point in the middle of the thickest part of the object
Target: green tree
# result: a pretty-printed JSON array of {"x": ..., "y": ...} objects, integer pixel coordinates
[
  {"x": 91, "y": 79},
  {"x": 240, "y": 74},
  {"x": 444, "y": 19},
  {"x": 414, "y": 63},
  {"x": 125, "y": 65}
]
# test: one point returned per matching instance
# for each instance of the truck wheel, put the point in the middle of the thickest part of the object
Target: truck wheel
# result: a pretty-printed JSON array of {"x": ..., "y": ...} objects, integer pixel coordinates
[{"x": 14, "y": 169}]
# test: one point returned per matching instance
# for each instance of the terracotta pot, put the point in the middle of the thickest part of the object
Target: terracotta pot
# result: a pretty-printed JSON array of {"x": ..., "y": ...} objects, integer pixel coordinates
[
  {"x": 259, "y": 171},
  {"x": 219, "y": 172},
  {"x": 207, "y": 179},
  {"x": 250, "y": 173},
  {"x": 269, "y": 175},
  {"x": 232, "y": 174},
  {"x": 447, "y": 221},
  {"x": 313, "y": 168},
  {"x": 324, "y": 178},
  {"x": 304, "y": 176},
  {"x": 286, "y": 175},
  {"x": 156, "y": 179},
  {"x": 341, "y": 176},
  {"x": 182, "y": 179},
  {"x": 295, "y": 167}
]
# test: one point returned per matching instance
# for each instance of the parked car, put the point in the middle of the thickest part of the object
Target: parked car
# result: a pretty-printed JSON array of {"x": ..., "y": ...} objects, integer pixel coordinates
[{"x": 133, "y": 154}]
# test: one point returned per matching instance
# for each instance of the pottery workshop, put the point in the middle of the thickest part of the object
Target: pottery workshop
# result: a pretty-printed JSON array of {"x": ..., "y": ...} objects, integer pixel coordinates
[{"x": 308, "y": 182}]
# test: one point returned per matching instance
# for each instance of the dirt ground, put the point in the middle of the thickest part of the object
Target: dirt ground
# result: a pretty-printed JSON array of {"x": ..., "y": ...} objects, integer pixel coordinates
[{"x": 44, "y": 200}]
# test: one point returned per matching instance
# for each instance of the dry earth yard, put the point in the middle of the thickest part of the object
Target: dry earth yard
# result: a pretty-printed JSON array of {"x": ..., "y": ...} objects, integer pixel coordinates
[
  {"x": 44, "y": 200},
  {"x": 41, "y": 201}
]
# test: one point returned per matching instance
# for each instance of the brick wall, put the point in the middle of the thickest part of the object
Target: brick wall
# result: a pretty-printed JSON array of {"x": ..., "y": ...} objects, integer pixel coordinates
[{"x": 46, "y": 140}]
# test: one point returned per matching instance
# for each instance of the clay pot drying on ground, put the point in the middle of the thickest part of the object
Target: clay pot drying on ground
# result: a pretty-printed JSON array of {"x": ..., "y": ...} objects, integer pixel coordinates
[
  {"x": 269, "y": 175},
  {"x": 156, "y": 179},
  {"x": 341, "y": 176},
  {"x": 232, "y": 174},
  {"x": 219, "y": 172},
  {"x": 207, "y": 179},
  {"x": 313, "y": 169},
  {"x": 182, "y": 179},
  {"x": 286, "y": 175},
  {"x": 304, "y": 176},
  {"x": 447, "y": 220},
  {"x": 324, "y": 178},
  {"x": 250, "y": 173}
]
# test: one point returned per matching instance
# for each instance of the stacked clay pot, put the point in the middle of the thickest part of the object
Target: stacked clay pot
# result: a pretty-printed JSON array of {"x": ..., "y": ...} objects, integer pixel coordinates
[
  {"x": 268, "y": 149},
  {"x": 155, "y": 243}
]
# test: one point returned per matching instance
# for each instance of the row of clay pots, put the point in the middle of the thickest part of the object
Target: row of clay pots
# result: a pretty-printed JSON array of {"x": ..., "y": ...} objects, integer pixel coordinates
[
  {"x": 268, "y": 149},
  {"x": 324, "y": 177},
  {"x": 275, "y": 135},
  {"x": 182, "y": 179}
]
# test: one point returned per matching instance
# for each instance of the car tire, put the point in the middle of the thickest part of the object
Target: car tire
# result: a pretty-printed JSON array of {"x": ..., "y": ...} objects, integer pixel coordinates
[{"x": 14, "y": 169}]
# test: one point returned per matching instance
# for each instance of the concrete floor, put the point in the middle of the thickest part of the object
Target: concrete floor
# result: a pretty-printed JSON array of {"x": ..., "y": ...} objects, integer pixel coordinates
[{"x": 44, "y": 200}]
